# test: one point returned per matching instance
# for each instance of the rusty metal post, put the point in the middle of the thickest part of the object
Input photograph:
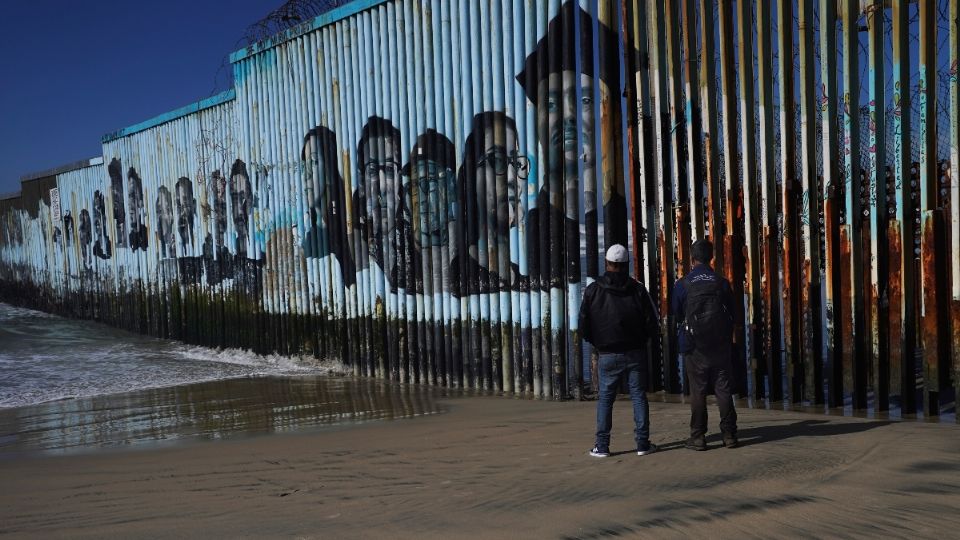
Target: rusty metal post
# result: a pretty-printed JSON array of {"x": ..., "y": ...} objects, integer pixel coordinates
[
  {"x": 643, "y": 186},
  {"x": 954, "y": 329},
  {"x": 639, "y": 107},
  {"x": 694, "y": 128},
  {"x": 789, "y": 195},
  {"x": 931, "y": 327},
  {"x": 769, "y": 293},
  {"x": 901, "y": 229},
  {"x": 678, "y": 180},
  {"x": 663, "y": 193},
  {"x": 708, "y": 101},
  {"x": 851, "y": 248},
  {"x": 876, "y": 159},
  {"x": 802, "y": 387},
  {"x": 831, "y": 190},
  {"x": 732, "y": 237},
  {"x": 750, "y": 202}
]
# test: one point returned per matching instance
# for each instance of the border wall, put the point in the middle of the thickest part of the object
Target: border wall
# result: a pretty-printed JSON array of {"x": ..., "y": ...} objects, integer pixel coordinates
[{"x": 423, "y": 189}]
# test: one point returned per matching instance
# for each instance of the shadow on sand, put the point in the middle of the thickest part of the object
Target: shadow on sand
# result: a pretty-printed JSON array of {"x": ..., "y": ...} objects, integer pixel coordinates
[{"x": 803, "y": 428}]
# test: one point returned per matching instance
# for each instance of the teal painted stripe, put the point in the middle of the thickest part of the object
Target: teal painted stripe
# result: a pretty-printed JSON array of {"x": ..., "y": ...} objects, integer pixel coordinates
[
  {"x": 198, "y": 106},
  {"x": 319, "y": 21}
]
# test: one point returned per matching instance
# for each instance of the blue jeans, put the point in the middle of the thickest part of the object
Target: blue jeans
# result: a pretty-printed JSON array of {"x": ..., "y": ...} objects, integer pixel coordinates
[{"x": 613, "y": 367}]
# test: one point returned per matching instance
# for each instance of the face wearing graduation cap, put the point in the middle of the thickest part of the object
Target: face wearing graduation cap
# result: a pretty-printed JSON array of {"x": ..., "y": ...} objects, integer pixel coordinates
[
  {"x": 550, "y": 77},
  {"x": 433, "y": 188}
]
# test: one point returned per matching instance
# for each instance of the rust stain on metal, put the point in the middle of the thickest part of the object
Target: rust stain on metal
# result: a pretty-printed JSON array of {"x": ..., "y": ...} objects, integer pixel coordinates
[
  {"x": 895, "y": 306},
  {"x": 929, "y": 328},
  {"x": 846, "y": 311},
  {"x": 683, "y": 239}
]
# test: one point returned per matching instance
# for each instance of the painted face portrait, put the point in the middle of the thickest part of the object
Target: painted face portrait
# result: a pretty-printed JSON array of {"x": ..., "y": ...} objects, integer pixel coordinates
[
  {"x": 381, "y": 183},
  {"x": 134, "y": 197},
  {"x": 563, "y": 81},
  {"x": 490, "y": 181},
  {"x": 218, "y": 190},
  {"x": 381, "y": 217},
  {"x": 557, "y": 118},
  {"x": 68, "y": 226},
  {"x": 432, "y": 183},
  {"x": 138, "y": 231},
  {"x": 241, "y": 204},
  {"x": 102, "y": 245},
  {"x": 84, "y": 235},
  {"x": 186, "y": 211},
  {"x": 503, "y": 168},
  {"x": 115, "y": 169},
  {"x": 554, "y": 76},
  {"x": 165, "y": 222},
  {"x": 327, "y": 226}
]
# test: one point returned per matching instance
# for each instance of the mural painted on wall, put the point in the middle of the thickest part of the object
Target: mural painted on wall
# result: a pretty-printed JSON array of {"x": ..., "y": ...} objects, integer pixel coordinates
[
  {"x": 241, "y": 205},
  {"x": 382, "y": 218},
  {"x": 68, "y": 227},
  {"x": 164, "y": 226},
  {"x": 84, "y": 236},
  {"x": 327, "y": 233},
  {"x": 429, "y": 224},
  {"x": 489, "y": 176},
  {"x": 417, "y": 199},
  {"x": 102, "y": 246},
  {"x": 186, "y": 213},
  {"x": 138, "y": 230},
  {"x": 115, "y": 169}
]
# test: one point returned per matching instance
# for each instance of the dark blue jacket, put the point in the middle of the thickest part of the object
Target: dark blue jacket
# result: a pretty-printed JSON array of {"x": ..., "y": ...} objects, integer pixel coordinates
[{"x": 680, "y": 298}]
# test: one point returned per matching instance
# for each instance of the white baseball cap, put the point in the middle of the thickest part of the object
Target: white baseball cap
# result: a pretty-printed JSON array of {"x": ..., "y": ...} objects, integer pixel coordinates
[{"x": 617, "y": 254}]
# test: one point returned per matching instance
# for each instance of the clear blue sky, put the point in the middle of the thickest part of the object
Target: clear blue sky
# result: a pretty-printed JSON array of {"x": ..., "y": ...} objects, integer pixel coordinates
[{"x": 72, "y": 71}]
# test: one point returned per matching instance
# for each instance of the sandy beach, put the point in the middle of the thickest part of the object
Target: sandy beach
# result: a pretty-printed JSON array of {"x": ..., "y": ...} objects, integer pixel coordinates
[{"x": 493, "y": 467}]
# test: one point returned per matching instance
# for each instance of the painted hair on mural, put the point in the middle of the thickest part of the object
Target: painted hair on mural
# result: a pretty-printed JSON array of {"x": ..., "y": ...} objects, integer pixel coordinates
[
  {"x": 115, "y": 169},
  {"x": 138, "y": 231},
  {"x": 320, "y": 146},
  {"x": 433, "y": 146},
  {"x": 186, "y": 212},
  {"x": 377, "y": 126}
]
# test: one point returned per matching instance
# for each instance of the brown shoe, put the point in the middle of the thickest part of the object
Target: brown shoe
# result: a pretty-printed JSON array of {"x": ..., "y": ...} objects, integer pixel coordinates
[
  {"x": 696, "y": 443},
  {"x": 730, "y": 440}
]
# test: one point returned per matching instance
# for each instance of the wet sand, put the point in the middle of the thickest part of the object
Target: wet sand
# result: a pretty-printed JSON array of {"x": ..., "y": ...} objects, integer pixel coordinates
[{"x": 495, "y": 467}]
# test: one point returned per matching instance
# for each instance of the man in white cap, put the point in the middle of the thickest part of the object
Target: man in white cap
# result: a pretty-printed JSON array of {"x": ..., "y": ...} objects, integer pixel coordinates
[{"x": 618, "y": 316}]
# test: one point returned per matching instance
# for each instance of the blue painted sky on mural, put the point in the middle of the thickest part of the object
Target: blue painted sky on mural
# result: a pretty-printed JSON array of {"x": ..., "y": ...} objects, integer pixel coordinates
[{"x": 72, "y": 71}]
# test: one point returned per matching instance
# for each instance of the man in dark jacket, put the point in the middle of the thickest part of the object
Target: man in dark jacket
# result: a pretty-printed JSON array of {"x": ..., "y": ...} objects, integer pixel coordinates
[
  {"x": 617, "y": 316},
  {"x": 703, "y": 307}
]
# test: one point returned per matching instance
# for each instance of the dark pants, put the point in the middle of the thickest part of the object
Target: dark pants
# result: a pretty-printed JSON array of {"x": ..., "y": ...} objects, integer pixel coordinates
[{"x": 705, "y": 371}]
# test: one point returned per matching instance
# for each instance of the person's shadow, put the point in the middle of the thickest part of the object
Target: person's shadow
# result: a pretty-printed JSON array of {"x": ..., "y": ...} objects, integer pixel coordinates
[{"x": 804, "y": 428}]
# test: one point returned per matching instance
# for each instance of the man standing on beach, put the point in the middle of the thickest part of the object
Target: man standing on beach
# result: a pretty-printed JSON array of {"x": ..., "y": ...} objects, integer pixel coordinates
[
  {"x": 703, "y": 305},
  {"x": 617, "y": 316}
]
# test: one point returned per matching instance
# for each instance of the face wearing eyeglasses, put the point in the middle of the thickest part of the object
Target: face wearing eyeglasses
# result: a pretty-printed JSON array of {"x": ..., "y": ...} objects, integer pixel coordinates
[
  {"x": 433, "y": 193},
  {"x": 500, "y": 171},
  {"x": 381, "y": 179}
]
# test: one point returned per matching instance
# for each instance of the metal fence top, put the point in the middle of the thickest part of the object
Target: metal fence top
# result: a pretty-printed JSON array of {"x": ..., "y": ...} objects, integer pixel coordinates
[{"x": 73, "y": 166}]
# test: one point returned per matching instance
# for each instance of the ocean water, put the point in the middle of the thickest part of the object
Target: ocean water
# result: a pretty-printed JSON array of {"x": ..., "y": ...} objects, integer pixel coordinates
[
  {"x": 46, "y": 358},
  {"x": 73, "y": 386}
]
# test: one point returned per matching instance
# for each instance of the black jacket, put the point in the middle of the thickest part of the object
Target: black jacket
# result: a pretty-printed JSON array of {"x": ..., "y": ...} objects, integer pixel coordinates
[
  {"x": 617, "y": 314},
  {"x": 700, "y": 271}
]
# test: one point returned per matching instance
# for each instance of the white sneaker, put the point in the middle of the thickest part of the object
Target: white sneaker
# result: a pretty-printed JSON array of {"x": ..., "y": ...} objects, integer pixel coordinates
[{"x": 598, "y": 451}]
